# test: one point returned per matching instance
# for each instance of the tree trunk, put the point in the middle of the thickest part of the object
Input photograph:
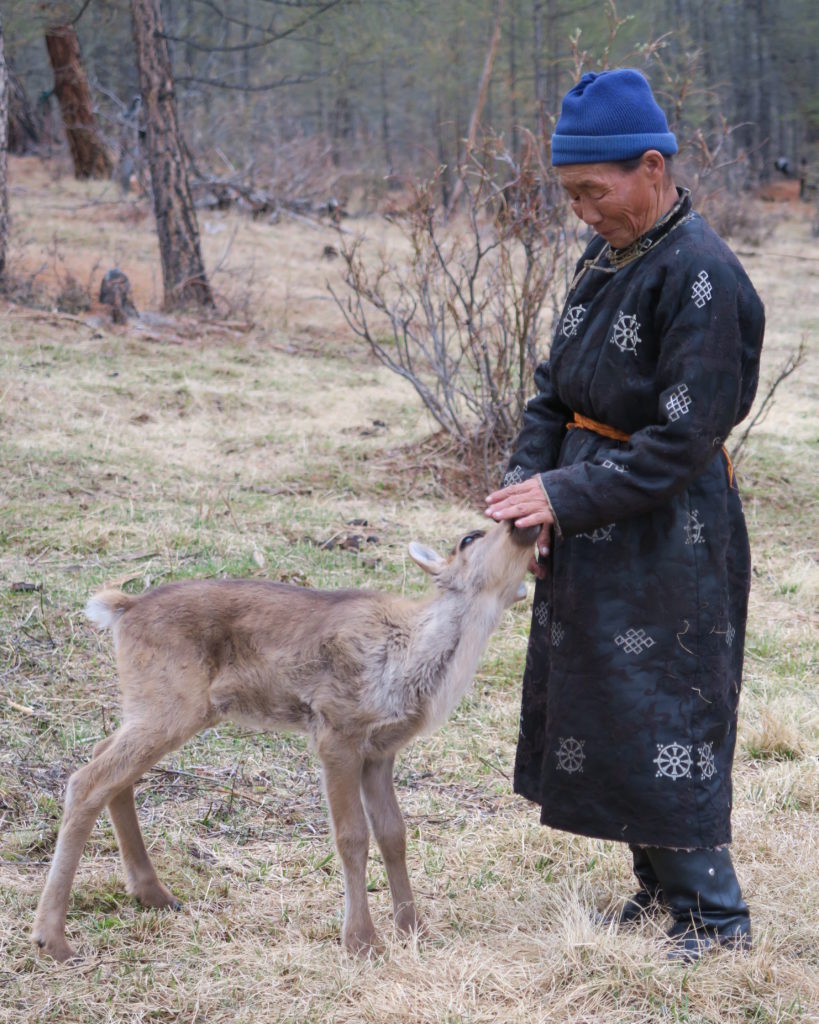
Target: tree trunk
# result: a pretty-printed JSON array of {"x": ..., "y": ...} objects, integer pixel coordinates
[
  {"x": 25, "y": 124},
  {"x": 4, "y": 140},
  {"x": 183, "y": 272},
  {"x": 514, "y": 128},
  {"x": 91, "y": 158},
  {"x": 483, "y": 89},
  {"x": 385, "y": 116}
]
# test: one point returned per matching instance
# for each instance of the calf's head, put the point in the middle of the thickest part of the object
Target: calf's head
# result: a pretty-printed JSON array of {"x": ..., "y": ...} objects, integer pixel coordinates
[{"x": 482, "y": 562}]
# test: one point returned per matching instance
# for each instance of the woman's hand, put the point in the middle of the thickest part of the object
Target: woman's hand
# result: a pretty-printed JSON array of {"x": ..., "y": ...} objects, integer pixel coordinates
[{"x": 528, "y": 505}]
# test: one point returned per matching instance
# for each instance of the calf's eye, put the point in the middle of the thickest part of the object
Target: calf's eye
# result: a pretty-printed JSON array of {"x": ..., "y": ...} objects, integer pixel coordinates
[{"x": 469, "y": 538}]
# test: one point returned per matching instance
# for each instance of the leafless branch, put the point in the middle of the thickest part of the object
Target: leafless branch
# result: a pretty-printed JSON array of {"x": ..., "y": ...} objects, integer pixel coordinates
[
  {"x": 795, "y": 359},
  {"x": 460, "y": 320}
]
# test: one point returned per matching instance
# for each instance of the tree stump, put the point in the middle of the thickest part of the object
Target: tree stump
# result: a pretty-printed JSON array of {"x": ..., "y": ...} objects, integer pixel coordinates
[{"x": 115, "y": 291}]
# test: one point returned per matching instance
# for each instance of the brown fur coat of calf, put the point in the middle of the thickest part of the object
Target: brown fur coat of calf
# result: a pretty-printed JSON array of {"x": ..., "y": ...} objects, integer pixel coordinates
[{"x": 361, "y": 672}]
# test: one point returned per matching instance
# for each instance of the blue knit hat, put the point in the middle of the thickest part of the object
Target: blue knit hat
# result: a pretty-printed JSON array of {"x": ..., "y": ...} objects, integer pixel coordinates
[{"x": 610, "y": 115}]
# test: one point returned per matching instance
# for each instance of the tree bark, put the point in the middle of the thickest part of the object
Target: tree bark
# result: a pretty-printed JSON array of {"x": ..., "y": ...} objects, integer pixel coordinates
[
  {"x": 183, "y": 271},
  {"x": 4, "y": 145},
  {"x": 91, "y": 158}
]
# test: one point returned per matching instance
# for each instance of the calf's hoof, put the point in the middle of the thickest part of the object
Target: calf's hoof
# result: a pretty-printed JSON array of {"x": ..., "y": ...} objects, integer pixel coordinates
[
  {"x": 155, "y": 894},
  {"x": 54, "y": 946},
  {"x": 364, "y": 944},
  {"x": 408, "y": 922}
]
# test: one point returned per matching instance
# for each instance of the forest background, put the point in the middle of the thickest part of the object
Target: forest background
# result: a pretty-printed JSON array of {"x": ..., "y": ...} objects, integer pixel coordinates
[{"x": 377, "y": 92}]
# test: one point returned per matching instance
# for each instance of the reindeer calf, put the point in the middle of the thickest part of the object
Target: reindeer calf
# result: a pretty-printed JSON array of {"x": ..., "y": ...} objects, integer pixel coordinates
[{"x": 360, "y": 672}]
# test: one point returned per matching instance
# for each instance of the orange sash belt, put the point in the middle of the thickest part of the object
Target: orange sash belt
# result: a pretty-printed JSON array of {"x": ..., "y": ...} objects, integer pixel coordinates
[{"x": 585, "y": 423}]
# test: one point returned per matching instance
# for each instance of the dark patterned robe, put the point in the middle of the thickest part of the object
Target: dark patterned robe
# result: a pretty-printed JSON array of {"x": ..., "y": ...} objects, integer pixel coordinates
[{"x": 632, "y": 678}]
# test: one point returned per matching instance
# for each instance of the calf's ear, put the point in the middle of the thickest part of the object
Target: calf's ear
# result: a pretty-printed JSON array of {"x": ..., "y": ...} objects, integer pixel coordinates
[{"x": 429, "y": 560}]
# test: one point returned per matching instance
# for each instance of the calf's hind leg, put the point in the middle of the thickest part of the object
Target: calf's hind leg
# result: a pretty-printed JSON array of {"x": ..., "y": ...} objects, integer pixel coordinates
[
  {"x": 126, "y": 755},
  {"x": 142, "y": 879}
]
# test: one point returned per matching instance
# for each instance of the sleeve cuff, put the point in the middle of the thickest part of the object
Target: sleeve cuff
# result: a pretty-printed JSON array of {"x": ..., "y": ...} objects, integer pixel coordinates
[{"x": 555, "y": 523}]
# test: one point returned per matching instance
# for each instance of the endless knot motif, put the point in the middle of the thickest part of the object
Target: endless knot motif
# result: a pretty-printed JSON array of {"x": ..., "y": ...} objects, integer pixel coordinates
[
  {"x": 618, "y": 466},
  {"x": 674, "y": 761},
  {"x": 634, "y": 641},
  {"x": 701, "y": 289},
  {"x": 542, "y": 613},
  {"x": 558, "y": 632},
  {"x": 678, "y": 403},
  {"x": 572, "y": 320},
  {"x": 706, "y": 763},
  {"x": 514, "y": 476},
  {"x": 601, "y": 533},
  {"x": 730, "y": 633},
  {"x": 693, "y": 528},
  {"x": 570, "y": 756},
  {"x": 625, "y": 333}
]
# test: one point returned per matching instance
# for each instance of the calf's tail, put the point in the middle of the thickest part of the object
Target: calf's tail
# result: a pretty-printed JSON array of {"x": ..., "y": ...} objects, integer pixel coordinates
[{"x": 105, "y": 608}]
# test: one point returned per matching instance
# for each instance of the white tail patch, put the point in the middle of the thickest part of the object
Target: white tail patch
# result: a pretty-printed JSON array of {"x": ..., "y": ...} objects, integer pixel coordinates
[{"x": 102, "y": 614}]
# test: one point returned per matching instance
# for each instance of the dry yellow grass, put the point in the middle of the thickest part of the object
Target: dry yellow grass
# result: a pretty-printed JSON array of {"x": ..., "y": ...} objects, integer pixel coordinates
[{"x": 227, "y": 451}]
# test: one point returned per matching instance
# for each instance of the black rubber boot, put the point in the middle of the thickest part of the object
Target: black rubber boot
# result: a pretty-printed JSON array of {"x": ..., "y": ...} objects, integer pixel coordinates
[
  {"x": 702, "y": 892},
  {"x": 646, "y": 901}
]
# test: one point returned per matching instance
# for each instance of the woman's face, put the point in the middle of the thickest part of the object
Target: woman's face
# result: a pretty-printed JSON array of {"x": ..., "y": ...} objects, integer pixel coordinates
[{"x": 620, "y": 205}]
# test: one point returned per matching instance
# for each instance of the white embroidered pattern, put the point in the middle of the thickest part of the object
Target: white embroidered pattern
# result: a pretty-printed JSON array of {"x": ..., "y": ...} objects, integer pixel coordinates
[
  {"x": 701, "y": 289},
  {"x": 570, "y": 756},
  {"x": 625, "y": 333},
  {"x": 678, "y": 403},
  {"x": 634, "y": 641},
  {"x": 693, "y": 528},
  {"x": 572, "y": 320},
  {"x": 542, "y": 613},
  {"x": 601, "y": 533},
  {"x": 674, "y": 761},
  {"x": 617, "y": 466},
  {"x": 730, "y": 633},
  {"x": 558, "y": 632},
  {"x": 514, "y": 476},
  {"x": 706, "y": 765}
]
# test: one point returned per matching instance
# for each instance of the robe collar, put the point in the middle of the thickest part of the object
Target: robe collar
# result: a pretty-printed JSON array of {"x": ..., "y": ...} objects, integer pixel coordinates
[{"x": 609, "y": 260}]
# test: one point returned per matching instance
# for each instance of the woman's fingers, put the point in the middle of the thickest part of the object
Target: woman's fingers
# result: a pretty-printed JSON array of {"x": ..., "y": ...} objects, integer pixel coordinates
[{"x": 525, "y": 503}]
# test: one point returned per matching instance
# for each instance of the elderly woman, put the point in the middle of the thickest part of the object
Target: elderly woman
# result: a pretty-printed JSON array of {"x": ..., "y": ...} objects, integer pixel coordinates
[{"x": 629, "y": 715}]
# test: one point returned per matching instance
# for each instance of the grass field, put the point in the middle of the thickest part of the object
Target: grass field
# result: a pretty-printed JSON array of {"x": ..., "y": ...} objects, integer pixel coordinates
[{"x": 173, "y": 449}]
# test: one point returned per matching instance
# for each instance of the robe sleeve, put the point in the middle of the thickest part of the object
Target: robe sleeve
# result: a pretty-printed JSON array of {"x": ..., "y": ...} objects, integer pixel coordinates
[
  {"x": 708, "y": 319},
  {"x": 544, "y": 427}
]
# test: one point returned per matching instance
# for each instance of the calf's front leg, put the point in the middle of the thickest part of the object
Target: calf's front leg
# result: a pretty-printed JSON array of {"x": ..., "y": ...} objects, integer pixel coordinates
[
  {"x": 390, "y": 833},
  {"x": 342, "y": 783}
]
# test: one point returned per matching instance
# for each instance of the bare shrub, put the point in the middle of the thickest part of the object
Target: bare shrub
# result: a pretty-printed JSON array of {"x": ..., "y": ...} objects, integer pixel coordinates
[
  {"x": 460, "y": 317},
  {"x": 73, "y": 296}
]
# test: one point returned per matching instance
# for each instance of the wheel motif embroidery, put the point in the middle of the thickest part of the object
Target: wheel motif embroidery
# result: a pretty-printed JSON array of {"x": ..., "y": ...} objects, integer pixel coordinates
[
  {"x": 601, "y": 533},
  {"x": 706, "y": 763},
  {"x": 625, "y": 333},
  {"x": 572, "y": 320},
  {"x": 570, "y": 756},
  {"x": 693, "y": 528},
  {"x": 673, "y": 761}
]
